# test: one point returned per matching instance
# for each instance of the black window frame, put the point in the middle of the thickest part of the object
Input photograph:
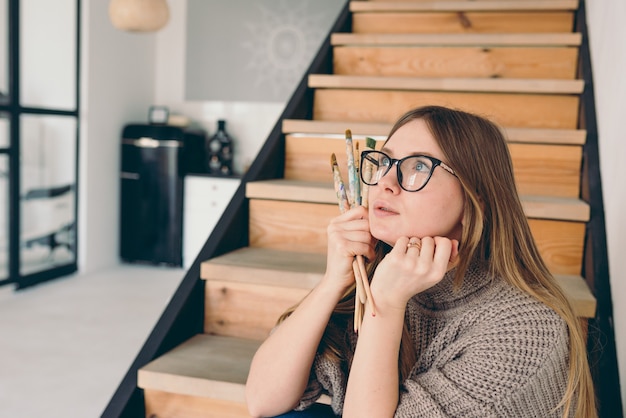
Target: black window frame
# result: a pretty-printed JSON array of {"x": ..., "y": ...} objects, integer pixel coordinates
[{"x": 13, "y": 108}]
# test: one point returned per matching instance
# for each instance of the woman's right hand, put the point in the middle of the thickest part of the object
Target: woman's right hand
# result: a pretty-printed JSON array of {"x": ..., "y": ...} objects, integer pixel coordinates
[{"x": 348, "y": 236}]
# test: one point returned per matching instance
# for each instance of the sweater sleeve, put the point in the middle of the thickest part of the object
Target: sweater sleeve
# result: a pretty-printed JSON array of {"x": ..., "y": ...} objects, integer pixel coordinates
[{"x": 509, "y": 363}]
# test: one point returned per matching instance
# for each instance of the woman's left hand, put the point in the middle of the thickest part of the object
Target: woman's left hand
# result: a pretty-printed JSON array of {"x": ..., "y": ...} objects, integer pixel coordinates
[{"x": 412, "y": 266}]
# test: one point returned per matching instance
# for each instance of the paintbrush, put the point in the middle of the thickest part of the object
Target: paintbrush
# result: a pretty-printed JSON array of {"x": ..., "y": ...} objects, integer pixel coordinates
[
  {"x": 366, "y": 168},
  {"x": 353, "y": 179},
  {"x": 342, "y": 200},
  {"x": 340, "y": 188}
]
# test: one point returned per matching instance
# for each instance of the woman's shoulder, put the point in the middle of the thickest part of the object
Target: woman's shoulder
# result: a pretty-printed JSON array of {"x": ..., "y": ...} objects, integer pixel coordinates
[
  {"x": 518, "y": 301},
  {"x": 520, "y": 328},
  {"x": 509, "y": 309},
  {"x": 499, "y": 314},
  {"x": 481, "y": 298}
]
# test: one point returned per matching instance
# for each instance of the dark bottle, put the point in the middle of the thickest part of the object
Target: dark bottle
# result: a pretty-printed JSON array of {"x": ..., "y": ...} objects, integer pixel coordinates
[{"x": 220, "y": 151}]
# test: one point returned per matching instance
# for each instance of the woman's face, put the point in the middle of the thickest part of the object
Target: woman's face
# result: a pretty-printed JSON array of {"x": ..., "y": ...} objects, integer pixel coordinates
[{"x": 436, "y": 210}]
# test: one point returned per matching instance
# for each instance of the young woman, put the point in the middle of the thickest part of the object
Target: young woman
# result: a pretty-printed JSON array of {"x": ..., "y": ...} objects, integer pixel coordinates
[{"x": 468, "y": 320}]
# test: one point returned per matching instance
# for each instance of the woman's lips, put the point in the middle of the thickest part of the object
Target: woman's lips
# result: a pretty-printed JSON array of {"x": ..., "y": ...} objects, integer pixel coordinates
[{"x": 383, "y": 209}]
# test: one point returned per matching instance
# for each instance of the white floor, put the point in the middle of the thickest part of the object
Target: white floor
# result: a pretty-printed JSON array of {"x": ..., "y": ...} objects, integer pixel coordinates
[{"x": 66, "y": 345}]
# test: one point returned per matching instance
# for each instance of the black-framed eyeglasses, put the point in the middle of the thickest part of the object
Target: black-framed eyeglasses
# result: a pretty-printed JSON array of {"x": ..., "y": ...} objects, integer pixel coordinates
[{"x": 413, "y": 171}]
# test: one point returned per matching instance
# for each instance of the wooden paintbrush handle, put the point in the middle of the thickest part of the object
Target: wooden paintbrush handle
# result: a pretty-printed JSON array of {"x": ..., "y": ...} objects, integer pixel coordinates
[
  {"x": 366, "y": 284},
  {"x": 358, "y": 278}
]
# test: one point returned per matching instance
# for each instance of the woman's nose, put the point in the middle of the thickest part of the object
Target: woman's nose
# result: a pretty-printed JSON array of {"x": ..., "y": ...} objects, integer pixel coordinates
[{"x": 390, "y": 179}]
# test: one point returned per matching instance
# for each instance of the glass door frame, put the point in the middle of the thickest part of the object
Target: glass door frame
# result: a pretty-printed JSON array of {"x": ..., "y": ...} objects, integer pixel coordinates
[{"x": 14, "y": 109}]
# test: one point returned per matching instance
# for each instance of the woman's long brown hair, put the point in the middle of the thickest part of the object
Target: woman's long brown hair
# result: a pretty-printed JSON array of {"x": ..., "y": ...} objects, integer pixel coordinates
[{"x": 495, "y": 233}]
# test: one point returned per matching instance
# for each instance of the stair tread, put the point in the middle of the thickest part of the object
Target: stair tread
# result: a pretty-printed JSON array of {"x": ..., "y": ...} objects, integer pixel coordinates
[
  {"x": 255, "y": 259},
  {"x": 274, "y": 268},
  {"x": 541, "y": 207},
  {"x": 453, "y": 39},
  {"x": 528, "y": 135},
  {"x": 206, "y": 365},
  {"x": 499, "y": 85},
  {"x": 462, "y": 5}
]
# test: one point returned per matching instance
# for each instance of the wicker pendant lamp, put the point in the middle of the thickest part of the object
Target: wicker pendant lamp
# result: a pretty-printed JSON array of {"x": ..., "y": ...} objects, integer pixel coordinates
[{"x": 139, "y": 15}]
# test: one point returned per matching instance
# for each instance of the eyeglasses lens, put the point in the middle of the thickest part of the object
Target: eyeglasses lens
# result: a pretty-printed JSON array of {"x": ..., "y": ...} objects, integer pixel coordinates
[{"x": 413, "y": 172}]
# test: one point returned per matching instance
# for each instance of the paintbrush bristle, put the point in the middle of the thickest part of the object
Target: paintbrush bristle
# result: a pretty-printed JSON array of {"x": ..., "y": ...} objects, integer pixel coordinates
[
  {"x": 370, "y": 142},
  {"x": 333, "y": 159},
  {"x": 348, "y": 134}
]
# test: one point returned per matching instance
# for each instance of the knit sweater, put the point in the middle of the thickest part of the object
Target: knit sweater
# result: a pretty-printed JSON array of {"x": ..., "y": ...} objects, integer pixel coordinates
[{"x": 484, "y": 350}]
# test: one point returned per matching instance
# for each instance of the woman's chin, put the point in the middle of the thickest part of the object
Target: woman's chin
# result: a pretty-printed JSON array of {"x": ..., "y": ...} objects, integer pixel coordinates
[{"x": 387, "y": 238}]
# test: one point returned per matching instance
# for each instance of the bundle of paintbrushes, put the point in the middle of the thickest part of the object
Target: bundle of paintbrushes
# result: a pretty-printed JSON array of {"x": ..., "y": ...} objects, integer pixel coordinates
[{"x": 350, "y": 197}]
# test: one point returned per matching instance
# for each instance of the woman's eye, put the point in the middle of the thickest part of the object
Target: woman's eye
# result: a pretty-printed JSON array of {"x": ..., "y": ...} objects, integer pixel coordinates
[{"x": 421, "y": 166}]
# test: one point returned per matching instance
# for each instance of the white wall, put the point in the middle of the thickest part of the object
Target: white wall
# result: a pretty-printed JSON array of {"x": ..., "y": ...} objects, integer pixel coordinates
[
  {"x": 248, "y": 123},
  {"x": 607, "y": 35},
  {"x": 117, "y": 87}
]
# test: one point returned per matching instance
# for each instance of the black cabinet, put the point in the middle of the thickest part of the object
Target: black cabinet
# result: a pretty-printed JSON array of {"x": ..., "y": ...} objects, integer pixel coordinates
[{"x": 152, "y": 172}]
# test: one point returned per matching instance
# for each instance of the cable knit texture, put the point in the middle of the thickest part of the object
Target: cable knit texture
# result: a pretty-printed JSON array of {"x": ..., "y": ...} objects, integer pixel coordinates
[{"x": 484, "y": 350}]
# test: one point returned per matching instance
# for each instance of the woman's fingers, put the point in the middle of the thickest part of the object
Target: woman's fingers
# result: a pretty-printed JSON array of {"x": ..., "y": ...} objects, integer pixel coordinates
[
  {"x": 401, "y": 246},
  {"x": 348, "y": 236},
  {"x": 428, "y": 248},
  {"x": 425, "y": 259},
  {"x": 442, "y": 253},
  {"x": 454, "y": 254},
  {"x": 358, "y": 212},
  {"x": 414, "y": 244},
  {"x": 431, "y": 249}
]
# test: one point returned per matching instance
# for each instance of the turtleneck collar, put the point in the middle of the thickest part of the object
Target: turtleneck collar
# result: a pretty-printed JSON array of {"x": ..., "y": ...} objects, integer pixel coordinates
[{"x": 445, "y": 295}]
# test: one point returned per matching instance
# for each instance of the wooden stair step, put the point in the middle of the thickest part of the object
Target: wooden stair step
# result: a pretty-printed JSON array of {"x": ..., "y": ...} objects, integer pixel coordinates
[
  {"x": 535, "y": 63},
  {"x": 240, "y": 306},
  {"x": 539, "y": 207},
  {"x": 336, "y": 128},
  {"x": 463, "y": 16},
  {"x": 204, "y": 377},
  {"x": 552, "y": 111},
  {"x": 206, "y": 366},
  {"x": 463, "y": 22},
  {"x": 272, "y": 268},
  {"x": 499, "y": 85},
  {"x": 462, "y": 5},
  {"x": 364, "y": 129},
  {"x": 256, "y": 259},
  {"x": 453, "y": 39}
]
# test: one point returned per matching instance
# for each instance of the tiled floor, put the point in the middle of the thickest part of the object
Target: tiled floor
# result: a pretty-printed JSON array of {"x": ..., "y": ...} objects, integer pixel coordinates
[{"x": 66, "y": 345}]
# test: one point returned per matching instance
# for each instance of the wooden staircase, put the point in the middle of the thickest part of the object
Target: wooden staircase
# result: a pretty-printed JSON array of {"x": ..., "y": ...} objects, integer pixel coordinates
[{"x": 514, "y": 61}]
